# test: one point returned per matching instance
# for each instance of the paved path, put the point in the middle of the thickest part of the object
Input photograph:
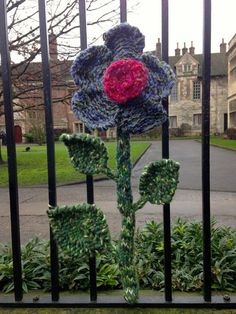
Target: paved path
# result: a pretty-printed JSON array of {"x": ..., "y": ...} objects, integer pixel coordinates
[
  {"x": 186, "y": 203},
  {"x": 188, "y": 154}
]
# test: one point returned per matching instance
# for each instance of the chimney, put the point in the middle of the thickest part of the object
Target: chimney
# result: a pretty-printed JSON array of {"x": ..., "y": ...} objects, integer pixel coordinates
[
  {"x": 184, "y": 50},
  {"x": 53, "y": 47},
  {"x": 192, "y": 49},
  {"x": 158, "y": 49},
  {"x": 223, "y": 46},
  {"x": 177, "y": 51}
]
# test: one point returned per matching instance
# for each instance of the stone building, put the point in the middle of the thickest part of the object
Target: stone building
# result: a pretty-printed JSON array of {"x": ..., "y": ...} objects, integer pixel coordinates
[
  {"x": 232, "y": 83},
  {"x": 185, "y": 100}
]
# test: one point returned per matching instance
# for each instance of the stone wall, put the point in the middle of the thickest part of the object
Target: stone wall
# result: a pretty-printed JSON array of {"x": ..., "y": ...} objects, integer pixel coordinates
[{"x": 185, "y": 108}]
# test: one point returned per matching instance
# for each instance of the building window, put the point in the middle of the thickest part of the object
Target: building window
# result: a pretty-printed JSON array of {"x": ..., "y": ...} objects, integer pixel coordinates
[
  {"x": 197, "y": 119},
  {"x": 196, "y": 90},
  {"x": 187, "y": 67},
  {"x": 174, "y": 92},
  {"x": 32, "y": 115},
  {"x": 79, "y": 127},
  {"x": 111, "y": 133},
  {"x": 173, "y": 122}
]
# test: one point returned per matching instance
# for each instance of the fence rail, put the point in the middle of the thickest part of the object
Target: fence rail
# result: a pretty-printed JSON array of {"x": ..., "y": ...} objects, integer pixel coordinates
[{"x": 55, "y": 300}]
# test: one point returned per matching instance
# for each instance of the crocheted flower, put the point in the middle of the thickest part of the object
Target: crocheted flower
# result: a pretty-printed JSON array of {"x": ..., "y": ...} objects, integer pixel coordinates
[
  {"x": 124, "y": 80},
  {"x": 119, "y": 85}
]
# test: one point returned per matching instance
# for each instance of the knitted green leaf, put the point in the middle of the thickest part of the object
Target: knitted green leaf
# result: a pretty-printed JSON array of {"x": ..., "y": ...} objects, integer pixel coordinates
[
  {"x": 80, "y": 229},
  {"x": 88, "y": 153},
  {"x": 159, "y": 181}
]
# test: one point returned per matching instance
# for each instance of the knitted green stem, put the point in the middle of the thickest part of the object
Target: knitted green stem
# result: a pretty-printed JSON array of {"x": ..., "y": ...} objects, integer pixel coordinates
[{"x": 125, "y": 206}]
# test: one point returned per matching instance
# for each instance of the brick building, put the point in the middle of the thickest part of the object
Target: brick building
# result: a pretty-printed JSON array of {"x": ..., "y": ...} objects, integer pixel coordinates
[{"x": 29, "y": 109}]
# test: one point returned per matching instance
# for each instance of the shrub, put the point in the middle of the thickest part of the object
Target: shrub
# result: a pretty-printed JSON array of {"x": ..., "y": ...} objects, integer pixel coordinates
[
  {"x": 185, "y": 129},
  {"x": 231, "y": 133},
  {"x": 38, "y": 133},
  {"x": 28, "y": 137},
  {"x": 187, "y": 268},
  {"x": 59, "y": 132},
  {"x": 176, "y": 132},
  {"x": 155, "y": 133}
]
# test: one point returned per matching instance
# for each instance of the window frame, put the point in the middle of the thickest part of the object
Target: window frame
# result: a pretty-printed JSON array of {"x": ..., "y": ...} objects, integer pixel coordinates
[
  {"x": 196, "y": 95},
  {"x": 174, "y": 96},
  {"x": 197, "y": 117},
  {"x": 171, "y": 124}
]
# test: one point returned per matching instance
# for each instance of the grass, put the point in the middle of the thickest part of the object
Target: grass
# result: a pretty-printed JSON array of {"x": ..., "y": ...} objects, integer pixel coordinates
[
  {"x": 32, "y": 165},
  {"x": 221, "y": 142}
]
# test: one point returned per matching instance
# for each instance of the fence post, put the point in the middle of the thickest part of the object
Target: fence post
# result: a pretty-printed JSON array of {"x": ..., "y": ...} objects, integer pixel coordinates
[
  {"x": 89, "y": 178},
  {"x": 165, "y": 154},
  {"x": 123, "y": 11},
  {"x": 47, "y": 88},
  {"x": 11, "y": 152},
  {"x": 206, "y": 81}
]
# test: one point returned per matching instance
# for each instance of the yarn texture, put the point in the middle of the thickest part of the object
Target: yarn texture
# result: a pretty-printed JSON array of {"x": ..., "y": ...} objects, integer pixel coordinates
[
  {"x": 124, "y": 80},
  {"x": 118, "y": 86},
  {"x": 99, "y": 107}
]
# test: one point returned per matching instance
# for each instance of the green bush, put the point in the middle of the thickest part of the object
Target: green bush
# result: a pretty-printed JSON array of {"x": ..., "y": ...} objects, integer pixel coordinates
[
  {"x": 187, "y": 267},
  {"x": 28, "y": 137},
  {"x": 36, "y": 135},
  {"x": 39, "y": 135},
  {"x": 59, "y": 132},
  {"x": 175, "y": 132},
  {"x": 187, "y": 264},
  {"x": 185, "y": 129},
  {"x": 154, "y": 134}
]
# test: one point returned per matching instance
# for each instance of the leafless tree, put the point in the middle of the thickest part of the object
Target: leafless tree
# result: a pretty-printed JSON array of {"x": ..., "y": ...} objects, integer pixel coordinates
[{"x": 63, "y": 24}]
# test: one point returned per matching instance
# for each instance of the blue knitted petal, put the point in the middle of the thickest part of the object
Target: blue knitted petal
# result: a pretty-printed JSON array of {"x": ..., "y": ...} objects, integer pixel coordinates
[
  {"x": 93, "y": 109},
  {"x": 161, "y": 77},
  {"x": 124, "y": 41},
  {"x": 141, "y": 117},
  {"x": 89, "y": 66}
]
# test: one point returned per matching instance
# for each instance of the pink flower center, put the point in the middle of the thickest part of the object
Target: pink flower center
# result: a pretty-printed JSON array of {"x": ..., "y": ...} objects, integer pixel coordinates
[{"x": 124, "y": 80}]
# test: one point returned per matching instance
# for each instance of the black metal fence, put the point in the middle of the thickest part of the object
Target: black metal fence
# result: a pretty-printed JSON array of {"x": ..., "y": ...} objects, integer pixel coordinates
[{"x": 54, "y": 300}]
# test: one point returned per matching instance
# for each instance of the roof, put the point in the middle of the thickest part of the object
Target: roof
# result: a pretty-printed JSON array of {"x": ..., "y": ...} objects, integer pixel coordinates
[
  {"x": 32, "y": 71},
  {"x": 219, "y": 63}
]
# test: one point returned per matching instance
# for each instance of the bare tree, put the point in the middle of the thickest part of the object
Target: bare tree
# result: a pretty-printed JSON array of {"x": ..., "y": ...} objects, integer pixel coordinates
[{"x": 63, "y": 22}]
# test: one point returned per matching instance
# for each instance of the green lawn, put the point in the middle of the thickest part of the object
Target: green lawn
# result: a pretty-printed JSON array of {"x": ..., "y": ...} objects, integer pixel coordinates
[
  {"x": 221, "y": 142},
  {"x": 32, "y": 165}
]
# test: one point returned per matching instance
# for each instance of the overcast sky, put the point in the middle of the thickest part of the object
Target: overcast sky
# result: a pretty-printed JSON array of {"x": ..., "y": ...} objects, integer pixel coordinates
[{"x": 185, "y": 18}]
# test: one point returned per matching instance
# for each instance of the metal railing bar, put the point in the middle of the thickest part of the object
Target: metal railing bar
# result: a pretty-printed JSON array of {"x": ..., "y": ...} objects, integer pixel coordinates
[
  {"x": 83, "y": 25},
  {"x": 123, "y": 11},
  {"x": 89, "y": 179},
  {"x": 11, "y": 152},
  {"x": 90, "y": 189},
  {"x": 165, "y": 154},
  {"x": 206, "y": 77},
  {"x": 92, "y": 259},
  {"x": 93, "y": 278},
  {"x": 47, "y": 89}
]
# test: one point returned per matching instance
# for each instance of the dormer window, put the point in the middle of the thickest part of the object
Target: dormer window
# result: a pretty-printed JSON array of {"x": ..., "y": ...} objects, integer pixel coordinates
[{"x": 187, "y": 67}]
